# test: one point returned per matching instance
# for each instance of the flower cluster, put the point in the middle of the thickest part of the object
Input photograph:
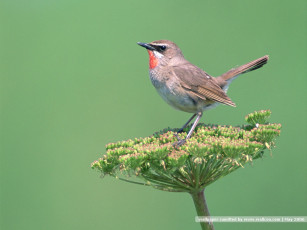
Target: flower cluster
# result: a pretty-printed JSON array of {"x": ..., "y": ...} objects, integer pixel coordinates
[
  {"x": 258, "y": 117},
  {"x": 212, "y": 152}
]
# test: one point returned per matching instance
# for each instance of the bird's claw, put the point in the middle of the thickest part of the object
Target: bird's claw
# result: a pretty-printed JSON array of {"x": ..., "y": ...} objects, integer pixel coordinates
[
  {"x": 180, "y": 131},
  {"x": 176, "y": 135},
  {"x": 179, "y": 142}
]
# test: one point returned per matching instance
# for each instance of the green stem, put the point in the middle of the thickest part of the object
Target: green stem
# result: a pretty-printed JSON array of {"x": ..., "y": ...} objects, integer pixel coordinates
[{"x": 202, "y": 209}]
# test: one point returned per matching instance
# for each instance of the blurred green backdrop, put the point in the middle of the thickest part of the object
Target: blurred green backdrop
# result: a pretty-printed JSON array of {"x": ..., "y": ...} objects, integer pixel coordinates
[{"x": 73, "y": 80}]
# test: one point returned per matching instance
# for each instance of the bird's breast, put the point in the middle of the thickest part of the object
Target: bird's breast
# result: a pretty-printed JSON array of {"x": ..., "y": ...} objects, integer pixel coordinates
[{"x": 172, "y": 92}]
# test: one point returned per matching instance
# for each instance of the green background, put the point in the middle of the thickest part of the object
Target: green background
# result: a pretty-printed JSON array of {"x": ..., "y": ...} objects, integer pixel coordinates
[{"x": 73, "y": 80}]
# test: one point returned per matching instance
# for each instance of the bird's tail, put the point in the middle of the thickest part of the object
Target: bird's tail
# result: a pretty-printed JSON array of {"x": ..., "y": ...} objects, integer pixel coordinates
[{"x": 244, "y": 68}]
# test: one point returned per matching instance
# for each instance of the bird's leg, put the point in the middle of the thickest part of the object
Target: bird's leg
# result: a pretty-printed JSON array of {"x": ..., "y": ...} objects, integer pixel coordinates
[
  {"x": 188, "y": 122},
  {"x": 182, "y": 141},
  {"x": 185, "y": 125},
  {"x": 199, "y": 115}
]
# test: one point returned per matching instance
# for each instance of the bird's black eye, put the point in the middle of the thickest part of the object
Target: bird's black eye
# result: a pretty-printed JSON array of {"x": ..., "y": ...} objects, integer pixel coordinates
[{"x": 162, "y": 48}]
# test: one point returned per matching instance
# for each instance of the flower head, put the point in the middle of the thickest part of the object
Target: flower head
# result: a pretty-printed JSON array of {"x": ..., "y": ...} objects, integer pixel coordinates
[{"x": 212, "y": 152}]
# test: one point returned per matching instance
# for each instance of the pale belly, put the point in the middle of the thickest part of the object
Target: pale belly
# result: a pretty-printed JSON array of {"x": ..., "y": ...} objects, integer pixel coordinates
[{"x": 178, "y": 98}]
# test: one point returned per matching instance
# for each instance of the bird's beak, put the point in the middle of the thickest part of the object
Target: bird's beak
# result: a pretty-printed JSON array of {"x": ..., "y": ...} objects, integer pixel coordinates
[{"x": 146, "y": 45}]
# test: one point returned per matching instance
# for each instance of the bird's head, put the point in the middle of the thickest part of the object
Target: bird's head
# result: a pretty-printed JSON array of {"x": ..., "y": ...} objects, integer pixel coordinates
[{"x": 162, "y": 52}]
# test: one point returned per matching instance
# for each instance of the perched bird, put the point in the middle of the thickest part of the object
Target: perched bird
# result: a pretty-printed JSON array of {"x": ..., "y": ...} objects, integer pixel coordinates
[{"x": 186, "y": 87}]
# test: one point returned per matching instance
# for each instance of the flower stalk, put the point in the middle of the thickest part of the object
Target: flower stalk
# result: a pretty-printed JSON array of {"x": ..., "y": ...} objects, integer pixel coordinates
[{"x": 202, "y": 209}]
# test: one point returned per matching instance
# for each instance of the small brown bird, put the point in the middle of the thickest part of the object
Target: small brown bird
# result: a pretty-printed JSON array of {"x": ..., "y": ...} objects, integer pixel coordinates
[{"x": 186, "y": 87}]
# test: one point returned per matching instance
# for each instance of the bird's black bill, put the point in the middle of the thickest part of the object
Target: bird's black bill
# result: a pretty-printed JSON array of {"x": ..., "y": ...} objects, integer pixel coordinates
[{"x": 146, "y": 45}]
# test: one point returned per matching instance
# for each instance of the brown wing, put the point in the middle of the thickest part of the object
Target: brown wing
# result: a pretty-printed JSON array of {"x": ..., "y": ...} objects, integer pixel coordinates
[{"x": 201, "y": 84}]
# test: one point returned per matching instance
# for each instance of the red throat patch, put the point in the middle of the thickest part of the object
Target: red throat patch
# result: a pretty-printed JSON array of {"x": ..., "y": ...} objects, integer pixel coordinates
[{"x": 153, "y": 61}]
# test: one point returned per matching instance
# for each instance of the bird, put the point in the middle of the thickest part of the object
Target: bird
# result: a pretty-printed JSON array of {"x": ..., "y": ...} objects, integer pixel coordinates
[{"x": 185, "y": 86}]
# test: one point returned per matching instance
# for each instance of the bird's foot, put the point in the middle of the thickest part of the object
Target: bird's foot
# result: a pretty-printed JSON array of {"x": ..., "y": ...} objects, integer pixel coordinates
[
  {"x": 176, "y": 135},
  {"x": 180, "y": 130},
  {"x": 179, "y": 142}
]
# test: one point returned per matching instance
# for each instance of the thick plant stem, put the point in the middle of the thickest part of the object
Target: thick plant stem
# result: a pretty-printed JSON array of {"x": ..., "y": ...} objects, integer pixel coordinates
[{"x": 202, "y": 209}]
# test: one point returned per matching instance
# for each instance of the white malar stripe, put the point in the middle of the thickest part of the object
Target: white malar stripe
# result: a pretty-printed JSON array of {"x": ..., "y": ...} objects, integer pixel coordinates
[{"x": 157, "y": 54}]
